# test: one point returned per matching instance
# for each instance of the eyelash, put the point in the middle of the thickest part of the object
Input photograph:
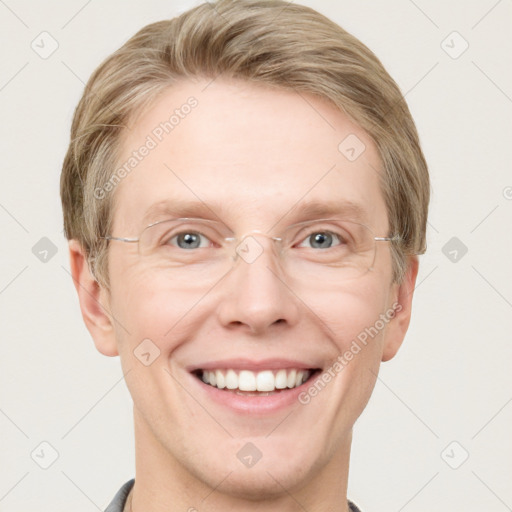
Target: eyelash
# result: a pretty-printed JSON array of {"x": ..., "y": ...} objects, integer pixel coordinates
[
  {"x": 325, "y": 232},
  {"x": 305, "y": 237}
]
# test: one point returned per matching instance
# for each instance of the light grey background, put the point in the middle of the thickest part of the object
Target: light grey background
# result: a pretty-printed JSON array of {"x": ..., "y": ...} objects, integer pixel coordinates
[{"x": 452, "y": 378}]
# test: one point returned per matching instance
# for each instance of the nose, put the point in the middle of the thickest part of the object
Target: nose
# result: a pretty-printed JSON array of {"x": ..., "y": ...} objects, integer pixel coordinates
[{"x": 256, "y": 296}]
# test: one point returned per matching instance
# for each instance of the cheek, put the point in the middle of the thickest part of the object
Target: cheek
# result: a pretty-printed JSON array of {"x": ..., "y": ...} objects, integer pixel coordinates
[
  {"x": 146, "y": 306},
  {"x": 358, "y": 334},
  {"x": 355, "y": 327},
  {"x": 351, "y": 313},
  {"x": 151, "y": 323}
]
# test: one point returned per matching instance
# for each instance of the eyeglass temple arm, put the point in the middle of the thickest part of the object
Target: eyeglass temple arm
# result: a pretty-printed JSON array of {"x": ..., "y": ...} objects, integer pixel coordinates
[
  {"x": 395, "y": 238},
  {"x": 119, "y": 239}
]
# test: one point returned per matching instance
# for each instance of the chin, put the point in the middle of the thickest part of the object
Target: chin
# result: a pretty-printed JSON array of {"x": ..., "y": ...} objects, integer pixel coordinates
[
  {"x": 284, "y": 465},
  {"x": 263, "y": 484}
]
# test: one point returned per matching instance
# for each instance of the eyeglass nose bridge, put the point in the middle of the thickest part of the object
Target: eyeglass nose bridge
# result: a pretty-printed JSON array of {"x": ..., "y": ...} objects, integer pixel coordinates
[{"x": 248, "y": 248}]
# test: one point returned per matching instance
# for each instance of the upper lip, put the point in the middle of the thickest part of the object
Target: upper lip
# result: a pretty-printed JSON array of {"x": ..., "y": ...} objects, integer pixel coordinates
[{"x": 253, "y": 365}]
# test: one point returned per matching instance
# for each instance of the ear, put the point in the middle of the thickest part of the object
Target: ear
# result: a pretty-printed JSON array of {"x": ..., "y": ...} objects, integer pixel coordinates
[
  {"x": 401, "y": 297},
  {"x": 94, "y": 301}
]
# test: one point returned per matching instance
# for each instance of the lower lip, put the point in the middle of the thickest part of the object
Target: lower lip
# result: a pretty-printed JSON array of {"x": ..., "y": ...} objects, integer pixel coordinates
[{"x": 253, "y": 404}]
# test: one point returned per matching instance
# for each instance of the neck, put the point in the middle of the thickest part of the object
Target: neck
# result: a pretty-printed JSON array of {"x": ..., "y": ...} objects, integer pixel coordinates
[{"x": 163, "y": 484}]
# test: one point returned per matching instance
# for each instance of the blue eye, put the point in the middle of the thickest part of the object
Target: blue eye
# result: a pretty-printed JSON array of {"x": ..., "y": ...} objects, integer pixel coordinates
[
  {"x": 321, "y": 240},
  {"x": 189, "y": 240}
]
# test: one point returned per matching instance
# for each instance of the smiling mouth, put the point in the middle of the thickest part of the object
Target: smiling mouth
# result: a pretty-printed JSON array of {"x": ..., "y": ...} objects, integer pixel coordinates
[{"x": 246, "y": 382}]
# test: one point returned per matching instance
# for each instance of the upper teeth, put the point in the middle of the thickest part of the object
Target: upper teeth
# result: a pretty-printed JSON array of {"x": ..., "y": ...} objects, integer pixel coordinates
[{"x": 246, "y": 380}]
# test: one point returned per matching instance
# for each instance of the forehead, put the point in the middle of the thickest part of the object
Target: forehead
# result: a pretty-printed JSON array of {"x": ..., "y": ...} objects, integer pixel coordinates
[{"x": 245, "y": 153}]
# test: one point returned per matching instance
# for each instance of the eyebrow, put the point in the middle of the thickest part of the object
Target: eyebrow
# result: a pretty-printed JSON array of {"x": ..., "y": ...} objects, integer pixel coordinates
[
  {"x": 304, "y": 210},
  {"x": 180, "y": 208},
  {"x": 315, "y": 209}
]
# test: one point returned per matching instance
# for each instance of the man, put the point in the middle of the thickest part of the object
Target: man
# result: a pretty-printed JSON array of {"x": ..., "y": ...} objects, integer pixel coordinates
[{"x": 245, "y": 198}]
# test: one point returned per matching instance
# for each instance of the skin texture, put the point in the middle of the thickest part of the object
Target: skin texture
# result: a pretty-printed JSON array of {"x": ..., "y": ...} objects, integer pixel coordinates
[{"x": 253, "y": 154}]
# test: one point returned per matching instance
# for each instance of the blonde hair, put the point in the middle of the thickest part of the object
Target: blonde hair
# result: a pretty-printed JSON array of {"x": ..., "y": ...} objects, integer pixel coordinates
[{"x": 263, "y": 41}]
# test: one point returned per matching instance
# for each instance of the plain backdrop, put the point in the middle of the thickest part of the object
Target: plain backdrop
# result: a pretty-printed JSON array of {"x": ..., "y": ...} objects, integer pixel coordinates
[{"x": 436, "y": 434}]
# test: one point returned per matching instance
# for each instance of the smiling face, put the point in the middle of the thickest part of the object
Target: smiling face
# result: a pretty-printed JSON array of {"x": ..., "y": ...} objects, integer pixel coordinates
[{"x": 253, "y": 157}]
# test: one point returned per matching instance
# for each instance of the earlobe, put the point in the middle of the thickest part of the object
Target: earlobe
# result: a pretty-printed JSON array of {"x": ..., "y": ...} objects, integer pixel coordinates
[
  {"x": 94, "y": 302},
  {"x": 398, "y": 326}
]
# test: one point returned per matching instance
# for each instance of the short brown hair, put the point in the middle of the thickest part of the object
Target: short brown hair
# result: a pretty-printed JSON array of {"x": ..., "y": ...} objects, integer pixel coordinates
[{"x": 263, "y": 41}]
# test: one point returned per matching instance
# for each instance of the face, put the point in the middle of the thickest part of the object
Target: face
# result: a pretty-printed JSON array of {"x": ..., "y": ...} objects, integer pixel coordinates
[{"x": 253, "y": 157}]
